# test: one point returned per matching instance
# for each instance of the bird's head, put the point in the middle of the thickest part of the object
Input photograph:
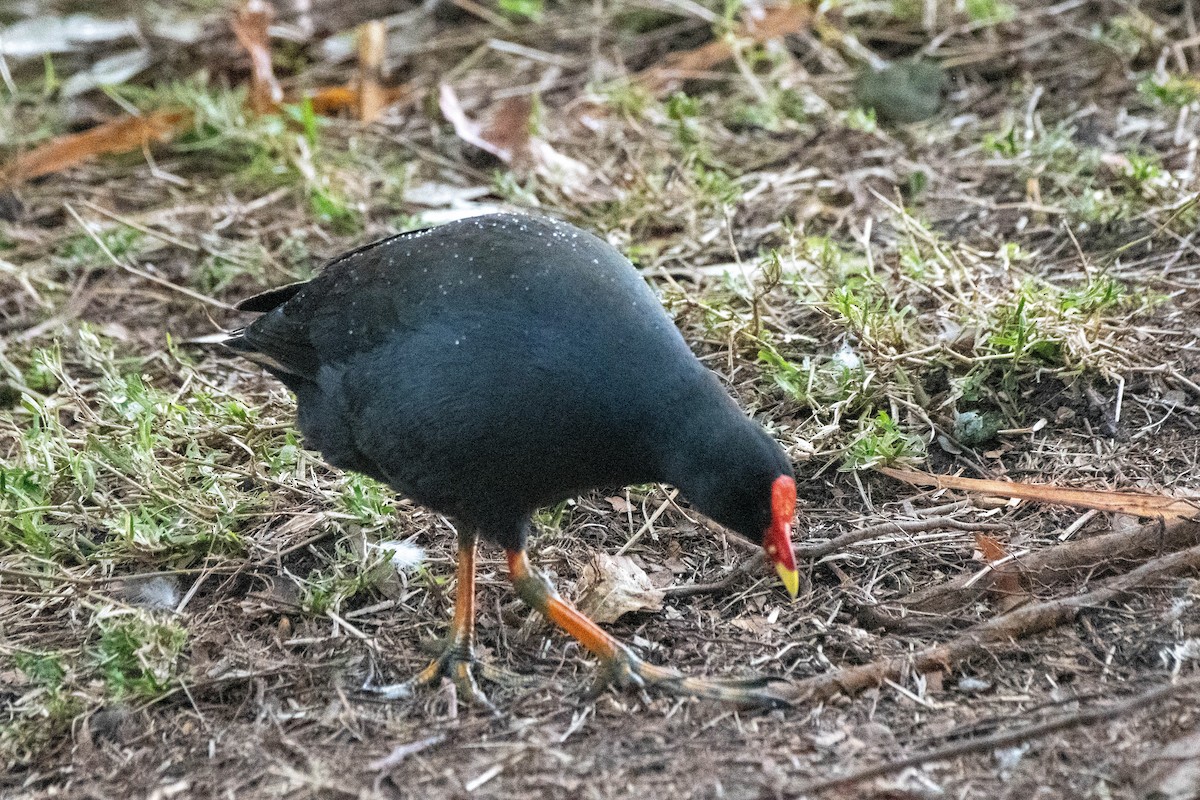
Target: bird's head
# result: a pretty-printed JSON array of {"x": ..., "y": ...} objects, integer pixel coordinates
[
  {"x": 735, "y": 473},
  {"x": 760, "y": 506}
]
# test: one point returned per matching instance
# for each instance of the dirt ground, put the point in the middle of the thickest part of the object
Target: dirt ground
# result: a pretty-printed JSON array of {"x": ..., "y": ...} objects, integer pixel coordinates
[{"x": 1008, "y": 288}]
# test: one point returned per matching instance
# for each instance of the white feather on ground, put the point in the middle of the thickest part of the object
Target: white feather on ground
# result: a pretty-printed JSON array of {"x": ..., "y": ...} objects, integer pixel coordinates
[{"x": 405, "y": 556}]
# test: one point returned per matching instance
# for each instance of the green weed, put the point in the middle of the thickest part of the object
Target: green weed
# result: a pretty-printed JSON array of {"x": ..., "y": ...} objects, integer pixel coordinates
[{"x": 880, "y": 441}]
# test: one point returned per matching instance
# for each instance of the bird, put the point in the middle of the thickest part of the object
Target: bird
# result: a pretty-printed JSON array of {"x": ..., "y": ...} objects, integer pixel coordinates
[{"x": 494, "y": 365}]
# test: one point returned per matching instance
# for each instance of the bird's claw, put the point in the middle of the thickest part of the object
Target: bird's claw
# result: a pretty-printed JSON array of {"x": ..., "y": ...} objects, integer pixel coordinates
[
  {"x": 620, "y": 671},
  {"x": 455, "y": 663},
  {"x": 625, "y": 670}
]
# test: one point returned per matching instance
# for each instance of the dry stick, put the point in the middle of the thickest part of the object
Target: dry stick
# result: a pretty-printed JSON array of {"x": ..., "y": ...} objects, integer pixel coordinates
[
  {"x": 994, "y": 741},
  {"x": 372, "y": 44},
  {"x": 1141, "y": 505},
  {"x": 811, "y": 552},
  {"x": 1017, "y": 624},
  {"x": 1052, "y": 566}
]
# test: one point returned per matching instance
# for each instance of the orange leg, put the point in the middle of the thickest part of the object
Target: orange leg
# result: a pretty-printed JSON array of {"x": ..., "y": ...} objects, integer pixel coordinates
[
  {"x": 619, "y": 664},
  {"x": 462, "y": 627},
  {"x": 456, "y": 659}
]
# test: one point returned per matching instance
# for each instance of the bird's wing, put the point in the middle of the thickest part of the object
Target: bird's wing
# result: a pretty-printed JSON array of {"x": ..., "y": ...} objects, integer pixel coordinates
[
  {"x": 268, "y": 300},
  {"x": 281, "y": 339}
]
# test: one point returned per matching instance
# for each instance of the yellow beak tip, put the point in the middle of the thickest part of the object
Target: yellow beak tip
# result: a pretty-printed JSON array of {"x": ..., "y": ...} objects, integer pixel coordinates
[{"x": 790, "y": 578}]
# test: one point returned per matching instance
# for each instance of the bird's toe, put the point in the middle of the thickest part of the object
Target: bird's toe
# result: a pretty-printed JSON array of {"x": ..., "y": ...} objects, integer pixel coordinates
[
  {"x": 621, "y": 671},
  {"x": 627, "y": 670},
  {"x": 455, "y": 663}
]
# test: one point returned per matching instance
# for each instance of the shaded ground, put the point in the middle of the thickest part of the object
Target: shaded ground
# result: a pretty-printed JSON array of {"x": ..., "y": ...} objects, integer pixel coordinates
[{"x": 192, "y": 603}]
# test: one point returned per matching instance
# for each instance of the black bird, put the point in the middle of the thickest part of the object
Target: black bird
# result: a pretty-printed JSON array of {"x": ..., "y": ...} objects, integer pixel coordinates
[{"x": 494, "y": 365}]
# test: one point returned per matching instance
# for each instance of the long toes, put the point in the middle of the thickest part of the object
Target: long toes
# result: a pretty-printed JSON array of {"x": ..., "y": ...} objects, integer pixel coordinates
[
  {"x": 464, "y": 681},
  {"x": 757, "y": 692},
  {"x": 455, "y": 663},
  {"x": 628, "y": 670},
  {"x": 501, "y": 677}
]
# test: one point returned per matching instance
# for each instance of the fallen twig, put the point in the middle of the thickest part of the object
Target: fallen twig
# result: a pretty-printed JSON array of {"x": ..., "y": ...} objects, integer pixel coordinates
[{"x": 1139, "y": 505}]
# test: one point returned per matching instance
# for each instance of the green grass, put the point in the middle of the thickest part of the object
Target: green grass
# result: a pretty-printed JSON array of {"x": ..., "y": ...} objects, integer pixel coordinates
[
  {"x": 138, "y": 654},
  {"x": 142, "y": 435},
  {"x": 881, "y": 442},
  {"x": 45, "y": 713},
  {"x": 83, "y": 250},
  {"x": 112, "y": 470},
  {"x": 1172, "y": 91}
]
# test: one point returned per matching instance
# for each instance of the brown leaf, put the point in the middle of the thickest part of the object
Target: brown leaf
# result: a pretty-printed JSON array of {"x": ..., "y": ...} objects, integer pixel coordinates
[
  {"x": 1140, "y": 505},
  {"x": 758, "y": 24},
  {"x": 121, "y": 135},
  {"x": 1006, "y": 582},
  {"x": 612, "y": 586},
  {"x": 251, "y": 25},
  {"x": 619, "y": 504},
  {"x": 992, "y": 550},
  {"x": 509, "y": 137},
  {"x": 507, "y": 133},
  {"x": 330, "y": 100}
]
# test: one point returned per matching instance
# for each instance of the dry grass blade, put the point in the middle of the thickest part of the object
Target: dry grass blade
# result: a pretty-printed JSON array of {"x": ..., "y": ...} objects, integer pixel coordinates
[
  {"x": 251, "y": 25},
  {"x": 1138, "y": 505},
  {"x": 203, "y": 298}
]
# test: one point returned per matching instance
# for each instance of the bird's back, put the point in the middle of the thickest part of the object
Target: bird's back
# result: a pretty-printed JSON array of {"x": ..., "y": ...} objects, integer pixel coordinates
[{"x": 484, "y": 367}]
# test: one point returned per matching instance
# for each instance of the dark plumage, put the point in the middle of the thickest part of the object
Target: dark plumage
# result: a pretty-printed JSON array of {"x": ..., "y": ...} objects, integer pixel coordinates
[{"x": 498, "y": 364}]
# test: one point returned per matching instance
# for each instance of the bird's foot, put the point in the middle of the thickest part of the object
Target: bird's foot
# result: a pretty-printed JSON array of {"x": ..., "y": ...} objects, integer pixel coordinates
[
  {"x": 625, "y": 670},
  {"x": 456, "y": 663}
]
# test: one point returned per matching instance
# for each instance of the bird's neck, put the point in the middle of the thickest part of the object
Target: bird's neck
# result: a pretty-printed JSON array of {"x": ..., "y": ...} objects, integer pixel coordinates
[{"x": 705, "y": 438}]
